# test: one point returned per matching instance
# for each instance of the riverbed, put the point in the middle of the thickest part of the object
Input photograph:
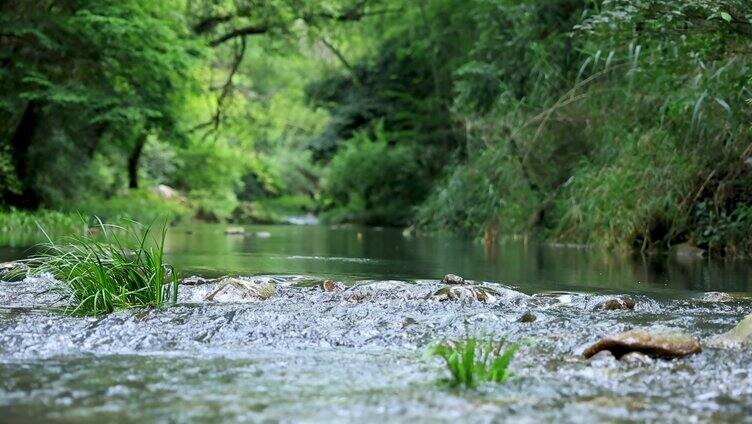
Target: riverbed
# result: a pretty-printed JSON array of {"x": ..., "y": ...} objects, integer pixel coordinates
[{"x": 360, "y": 353}]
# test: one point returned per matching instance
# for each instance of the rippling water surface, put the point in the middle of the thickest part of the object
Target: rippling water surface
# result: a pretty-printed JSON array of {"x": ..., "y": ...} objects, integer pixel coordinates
[{"x": 306, "y": 355}]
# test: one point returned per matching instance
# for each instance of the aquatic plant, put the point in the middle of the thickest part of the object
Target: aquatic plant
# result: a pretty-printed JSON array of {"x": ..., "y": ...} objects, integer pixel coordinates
[
  {"x": 102, "y": 274},
  {"x": 473, "y": 361}
]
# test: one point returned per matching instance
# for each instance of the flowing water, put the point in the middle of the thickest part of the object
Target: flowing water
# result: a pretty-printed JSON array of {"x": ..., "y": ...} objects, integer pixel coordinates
[{"x": 359, "y": 354}]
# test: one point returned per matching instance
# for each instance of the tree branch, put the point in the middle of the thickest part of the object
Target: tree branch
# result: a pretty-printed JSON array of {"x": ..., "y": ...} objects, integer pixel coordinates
[
  {"x": 339, "y": 55},
  {"x": 226, "y": 89},
  {"x": 239, "y": 32}
]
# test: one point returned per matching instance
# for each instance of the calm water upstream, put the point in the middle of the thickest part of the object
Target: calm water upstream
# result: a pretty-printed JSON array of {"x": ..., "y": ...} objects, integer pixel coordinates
[{"x": 358, "y": 355}]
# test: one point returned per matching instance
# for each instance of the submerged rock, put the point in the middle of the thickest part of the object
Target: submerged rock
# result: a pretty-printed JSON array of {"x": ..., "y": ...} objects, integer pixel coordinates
[
  {"x": 463, "y": 292},
  {"x": 244, "y": 289},
  {"x": 452, "y": 279},
  {"x": 617, "y": 303},
  {"x": 736, "y": 337},
  {"x": 527, "y": 317},
  {"x": 655, "y": 344}
]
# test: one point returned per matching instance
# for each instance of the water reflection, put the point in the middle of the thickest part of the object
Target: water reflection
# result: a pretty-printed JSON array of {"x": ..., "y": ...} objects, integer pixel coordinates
[
  {"x": 349, "y": 252},
  {"x": 375, "y": 253}
]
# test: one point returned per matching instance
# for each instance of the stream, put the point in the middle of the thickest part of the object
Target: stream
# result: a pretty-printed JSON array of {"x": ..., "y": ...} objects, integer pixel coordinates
[{"x": 360, "y": 354}]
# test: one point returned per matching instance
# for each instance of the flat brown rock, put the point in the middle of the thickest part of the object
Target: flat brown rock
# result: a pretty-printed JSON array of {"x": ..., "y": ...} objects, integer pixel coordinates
[{"x": 657, "y": 345}]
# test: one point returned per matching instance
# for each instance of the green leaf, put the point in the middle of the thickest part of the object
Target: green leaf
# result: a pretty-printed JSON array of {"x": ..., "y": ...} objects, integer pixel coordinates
[{"x": 726, "y": 17}]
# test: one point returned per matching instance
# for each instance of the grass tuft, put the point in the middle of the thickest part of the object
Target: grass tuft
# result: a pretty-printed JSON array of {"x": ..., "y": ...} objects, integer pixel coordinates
[
  {"x": 104, "y": 274},
  {"x": 473, "y": 361}
]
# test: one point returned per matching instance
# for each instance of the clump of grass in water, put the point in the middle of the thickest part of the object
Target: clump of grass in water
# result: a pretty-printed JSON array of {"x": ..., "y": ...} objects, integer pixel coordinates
[
  {"x": 103, "y": 275},
  {"x": 473, "y": 361}
]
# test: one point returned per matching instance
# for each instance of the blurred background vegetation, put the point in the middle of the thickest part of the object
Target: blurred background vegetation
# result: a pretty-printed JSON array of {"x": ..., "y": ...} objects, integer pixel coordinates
[{"x": 623, "y": 123}]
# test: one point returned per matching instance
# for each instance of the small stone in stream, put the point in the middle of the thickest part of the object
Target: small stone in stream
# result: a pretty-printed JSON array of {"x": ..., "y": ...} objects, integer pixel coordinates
[
  {"x": 636, "y": 358},
  {"x": 408, "y": 322},
  {"x": 331, "y": 286},
  {"x": 463, "y": 292},
  {"x": 452, "y": 279},
  {"x": 617, "y": 303},
  {"x": 527, "y": 317},
  {"x": 357, "y": 297},
  {"x": 736, "y": 337},
  {"x": 263, "y": 234},
  {"x": 666, "y": 345},
  {"x": 234, "y": 231}
]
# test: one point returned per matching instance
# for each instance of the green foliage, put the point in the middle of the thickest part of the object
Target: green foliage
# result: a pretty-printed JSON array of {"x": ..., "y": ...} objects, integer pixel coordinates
[
  {"x": 210, "y": 174},
  {"x": 103, "y": 276},
  {"x": 83, "y": 72},
  {"x": 373, "y": 181},
  {"x": 138, "y": 205},
  {"x": 23, "y": 228},
  {"x": 638, "y": 197},
  {"x": 472, "y": 361},
  {"x": 555, "y": 117},
  {"x": 631, "y": 133}
]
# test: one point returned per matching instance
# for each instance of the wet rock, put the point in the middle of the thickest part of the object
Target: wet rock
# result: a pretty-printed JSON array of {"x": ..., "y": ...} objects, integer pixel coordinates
[
  {"x": 452, "y": 279},
  {"x": 617, "y": 303},
  {"x": 527, "y": 317},
  {"x": 331, "y": 286},
  {"x": 463, "y": 292},
  {"x": 636, "y": 358},
  {"x": 738, "y": 336},
  {"x": 263, "y": 234},
  {"x": 234, "y": 231},
  {"x": 243, "y": 289},
  {"x": 655, "y": 344},
  {"x": 602, "y": 358}
]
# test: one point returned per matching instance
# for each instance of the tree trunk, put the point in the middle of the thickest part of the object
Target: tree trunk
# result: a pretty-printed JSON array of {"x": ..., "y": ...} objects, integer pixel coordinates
[
  {"x": 19, "y": 148},
  {"x": 133, "y": 160}
]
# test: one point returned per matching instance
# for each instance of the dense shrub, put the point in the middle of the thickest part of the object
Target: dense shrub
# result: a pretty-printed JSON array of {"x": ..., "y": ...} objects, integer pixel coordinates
[{"x": 373, "y": 181}]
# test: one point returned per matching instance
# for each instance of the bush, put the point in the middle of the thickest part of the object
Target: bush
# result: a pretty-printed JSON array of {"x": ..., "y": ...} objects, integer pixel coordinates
[
  {"x": 637, "y": 199},
  {"x": 372, "y": 181}
]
